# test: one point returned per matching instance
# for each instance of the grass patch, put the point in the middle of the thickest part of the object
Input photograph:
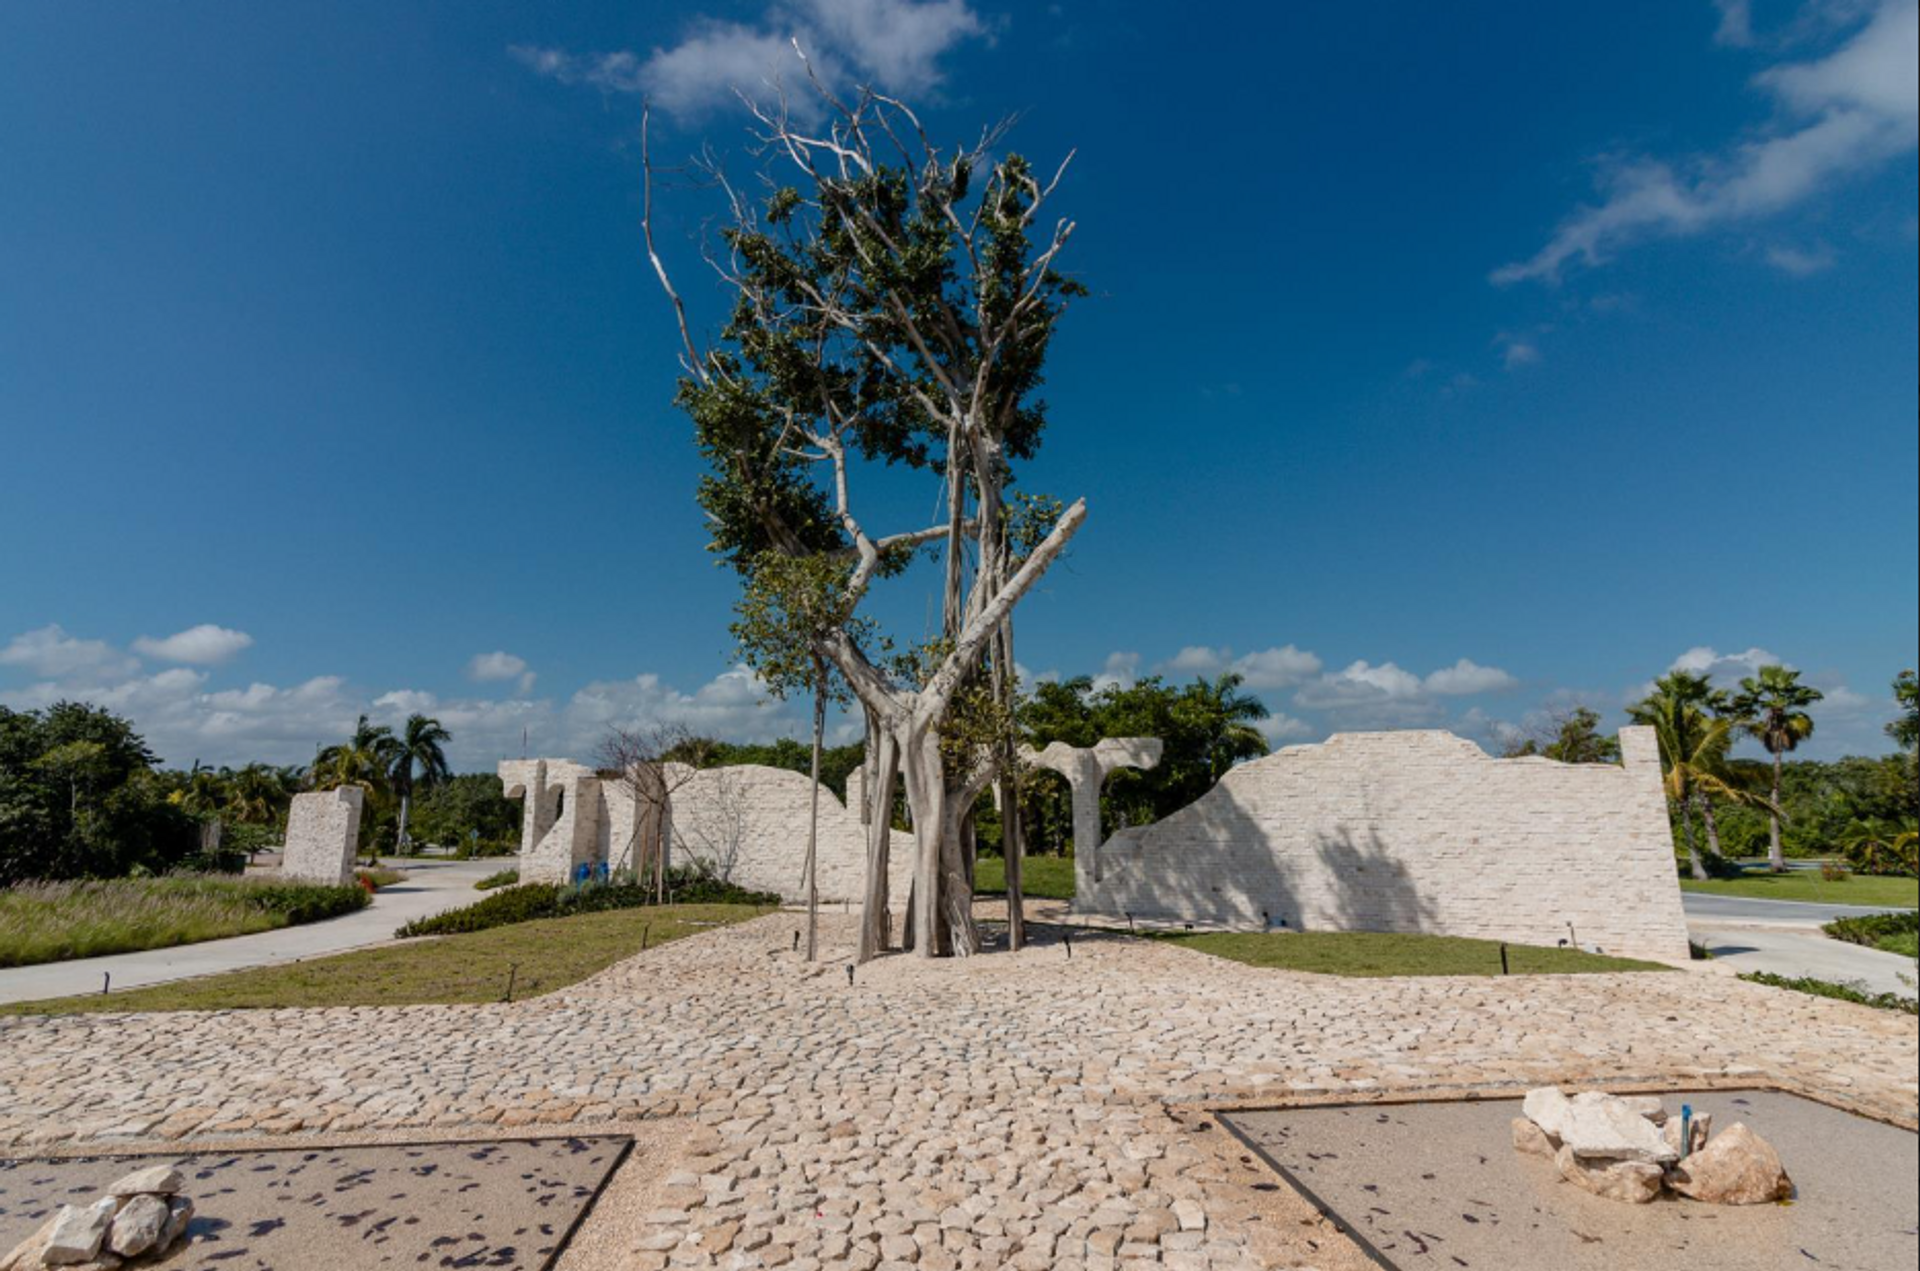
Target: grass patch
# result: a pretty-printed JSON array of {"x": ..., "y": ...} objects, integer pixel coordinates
[
  {"x": 1372, "y": 953},
  {"x": 380, "y": 875},
  {"x": 1891, "y": 933},
  {"x": 499, "y": 878},
  {"x": 1807, "y": 885},
  {"x": 53, "y": 922},
  {"x": 531, "y": 902},
  {"x": 1041, "y": 877},
  {"x": 549, "y": 955},
  {"x": 1838, "y": 992}
]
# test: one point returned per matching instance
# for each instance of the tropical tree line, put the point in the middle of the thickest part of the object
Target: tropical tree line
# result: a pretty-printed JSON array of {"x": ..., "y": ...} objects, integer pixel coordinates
[
  {"x": 82, "y": 795},
  {"x": 1865, "y": 809}
]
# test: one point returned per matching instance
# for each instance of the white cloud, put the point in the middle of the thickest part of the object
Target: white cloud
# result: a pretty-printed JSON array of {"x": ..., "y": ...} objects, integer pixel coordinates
[
  {"x": 1838, "y": 115},
  {"x": 1280, "y": 667},
  {"x": 1467, "y": 677},
  {"x": 1519, "y": 353},
  {"x": 1798, "y": 262},
  {"x": 893, "y": 44},
  {"x": 1736, "y": 23},
  {"x": 51, "y": 651},
  {"x": 1280, "y": 729},
  {"x": 1725, "y": 668},
  {"x": 203, "y": 645},
  {"x": 734, "y": 706},
  {"x": 1118, "y": 672}
]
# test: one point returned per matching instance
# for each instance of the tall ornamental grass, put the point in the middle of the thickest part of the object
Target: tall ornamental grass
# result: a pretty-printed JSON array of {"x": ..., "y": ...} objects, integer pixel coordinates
[{"x": 52, "y": 922}]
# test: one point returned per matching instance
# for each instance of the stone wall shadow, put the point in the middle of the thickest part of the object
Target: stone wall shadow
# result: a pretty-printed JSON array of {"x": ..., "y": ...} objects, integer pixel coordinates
[
  {"x": 1249, "y": 890},
  {"x": 1370, "y": 883}
]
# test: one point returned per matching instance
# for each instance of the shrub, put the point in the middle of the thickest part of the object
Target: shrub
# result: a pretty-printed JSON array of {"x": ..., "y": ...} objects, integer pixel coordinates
[
  {"x": 1894, "y": 933},
  {"x": 1839, "y": 992},
  {"x": 1833, "y": 871},
  {"x": 529, "y": 902},
  {"x": 499, "y": 878}
]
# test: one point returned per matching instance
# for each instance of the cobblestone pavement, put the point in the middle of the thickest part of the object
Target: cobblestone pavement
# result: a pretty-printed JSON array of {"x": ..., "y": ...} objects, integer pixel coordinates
[{"x": 1014, "y": 1110}]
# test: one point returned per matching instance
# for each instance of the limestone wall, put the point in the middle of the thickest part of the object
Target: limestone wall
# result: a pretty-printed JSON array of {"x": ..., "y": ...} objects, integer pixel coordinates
[
  {"x": 747, "y": 824},
  {"x": 323, "y": 834},
  {"x": 1417, "y": 832}
]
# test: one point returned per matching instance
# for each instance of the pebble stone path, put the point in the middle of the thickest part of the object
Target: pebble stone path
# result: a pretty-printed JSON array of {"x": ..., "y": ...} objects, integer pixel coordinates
[{"x": 1024, "y": 1111}]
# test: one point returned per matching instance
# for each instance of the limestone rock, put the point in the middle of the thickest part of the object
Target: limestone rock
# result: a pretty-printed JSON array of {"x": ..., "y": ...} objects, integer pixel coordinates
[
  {"x": 1648, "y": 1106},
  {"x": 1702, "y": 1128},
  {"x": 1636, "y": 1182},
  {"x": 1606, "y": 1127},
  {"x": 1546, "y": 1108},
  {"x": 25, "y": 1256},
  {"x": 1530, "y": 1140},
  {"x": 179, "y": 1214},
  {"x": 138, "y": 1226},
  {"x": 155, "y": 1180},
  {"x": 78, "y": 1233},
  {"x": 1736, "y": 1167}
]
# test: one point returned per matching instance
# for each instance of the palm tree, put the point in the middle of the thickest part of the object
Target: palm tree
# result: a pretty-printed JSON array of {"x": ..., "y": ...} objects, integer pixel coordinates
[
  {"x": 419, "y": 745},
  {"x": 1772, "y": 707},
  {"x": 1694, "y": 741},
  {"x": 204, "y": 798},
  {"x": 1230, "y": 716}
]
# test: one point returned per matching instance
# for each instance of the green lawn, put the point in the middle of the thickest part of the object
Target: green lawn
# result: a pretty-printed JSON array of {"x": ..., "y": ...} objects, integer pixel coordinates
[
  {"x": 1043, "y": 877},
  {"x": 1855, "y": 889},
  {"x": 550, "y": 954},
  {"x": 1368, "y": 953}
]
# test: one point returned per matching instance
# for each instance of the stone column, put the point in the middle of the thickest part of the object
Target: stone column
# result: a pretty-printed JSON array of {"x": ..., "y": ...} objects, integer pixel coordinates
[{"x": 1086, "y": 769}]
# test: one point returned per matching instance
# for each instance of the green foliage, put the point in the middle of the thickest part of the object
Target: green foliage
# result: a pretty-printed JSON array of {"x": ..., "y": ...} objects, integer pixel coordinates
[
  {"x": 1206, "y": 727},
  {"x": 1905, "y": 730},
  {"x": 51, "y": 922},
  {"x": 1839, "y": 992},
  {"x": 497, "y": 879},
  {"x": 787, "y": 607},
  {"x": 529, "y": 902},
  {"x": 79, "y": 797},
  {"x": 1772, "y": 708},
  {"x": 1893, "y": 933},
  {"x": 1575, "y": 737},
  {"x": 451, "y": 811},
  {"x": 1840, "y": 806}
]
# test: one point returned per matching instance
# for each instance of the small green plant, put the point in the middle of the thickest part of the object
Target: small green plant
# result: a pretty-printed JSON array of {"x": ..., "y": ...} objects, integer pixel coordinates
[
  {"x": 378, "y": 876},
  {"x": 1833, "y": 871},
  {"x": 530, "y": 902},
  {"x": 1838, "y": 992},
  {"x": 499, "y": 878}
]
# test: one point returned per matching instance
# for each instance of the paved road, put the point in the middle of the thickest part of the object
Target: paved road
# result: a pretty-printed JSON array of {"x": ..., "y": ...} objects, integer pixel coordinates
[
  {"x": 1703, "y": 907},
  {"x": 1784, "y": 937},
  {"x": 430, "y": 887},
  {"x": 1785, "y": 952}
]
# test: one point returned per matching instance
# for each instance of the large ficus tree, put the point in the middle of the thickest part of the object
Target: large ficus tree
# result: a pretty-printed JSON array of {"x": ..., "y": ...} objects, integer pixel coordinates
[{"x": 892, "y": 303}]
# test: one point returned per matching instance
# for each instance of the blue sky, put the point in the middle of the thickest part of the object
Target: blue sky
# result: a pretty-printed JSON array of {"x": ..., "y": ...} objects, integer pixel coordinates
[{"x": 1442, "y": 363}]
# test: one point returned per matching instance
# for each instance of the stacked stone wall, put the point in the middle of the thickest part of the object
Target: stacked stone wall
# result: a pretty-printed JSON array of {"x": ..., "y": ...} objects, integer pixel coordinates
[{"x": 1415, "y": 832}]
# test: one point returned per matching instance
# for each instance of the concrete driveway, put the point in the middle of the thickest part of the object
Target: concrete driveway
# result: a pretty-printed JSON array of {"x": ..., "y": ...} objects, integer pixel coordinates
[
  {"x": 431, "y": 887},
  {"x": 1784, "y": 937}
]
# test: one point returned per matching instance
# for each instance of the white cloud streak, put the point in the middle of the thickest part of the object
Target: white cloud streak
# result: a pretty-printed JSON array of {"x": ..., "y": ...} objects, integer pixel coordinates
[
  {"x": 893, "y": 44},
  {"x": 1836, "y": 116}
]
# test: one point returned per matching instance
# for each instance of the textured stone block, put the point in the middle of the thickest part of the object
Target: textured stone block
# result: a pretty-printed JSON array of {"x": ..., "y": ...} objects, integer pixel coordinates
[{"x": 323, "y": 836}]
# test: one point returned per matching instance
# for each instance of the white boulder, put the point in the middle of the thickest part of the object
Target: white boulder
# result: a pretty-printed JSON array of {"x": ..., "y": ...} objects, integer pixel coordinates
[{"x": 78, "y": 1233}]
